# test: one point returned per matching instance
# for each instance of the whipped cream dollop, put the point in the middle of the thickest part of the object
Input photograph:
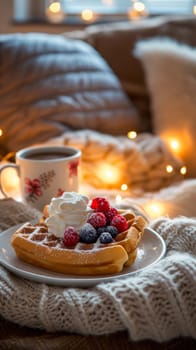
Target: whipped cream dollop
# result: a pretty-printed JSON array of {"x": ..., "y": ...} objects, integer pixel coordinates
[{"x": 70, "y": 209}]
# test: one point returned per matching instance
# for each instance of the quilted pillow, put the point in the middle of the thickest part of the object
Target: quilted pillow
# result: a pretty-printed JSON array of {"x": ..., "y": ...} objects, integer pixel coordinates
[{"x": 50, "y": 84}]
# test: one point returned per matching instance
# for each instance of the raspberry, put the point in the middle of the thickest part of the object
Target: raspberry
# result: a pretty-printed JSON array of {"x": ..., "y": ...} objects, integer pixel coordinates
[
  {"x": 110, "y": 214},
  {"x": 105, "y": 237},
  {"x": 71, "y": 237},
  {"x": 88, "y": 234},
  {"x": 100, "y": 204},
  {"x": 97, "y": 219},
  {"x": 119, "y": 222}
]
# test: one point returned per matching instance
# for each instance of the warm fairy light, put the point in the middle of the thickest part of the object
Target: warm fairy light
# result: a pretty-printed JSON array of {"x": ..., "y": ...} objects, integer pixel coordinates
[
  {"x": 88, "y": 15},
  {"x": 109, "y": 174},
  {"x": 55, "y": 7},
  {"x": 1, "y": 132},
  {"x": 169, "y": 168},
  {"x": 194, "y": 10},
  {"x": 132, "y": 134},
  {"x": 124, "y": 187},
  {"x": 183, "y": 170},
  {"x": 10, "y": 179},
  {"x": 175, "y": 145},
  {"x": 54, "y": 12},
  {"x": 139, "y": 6},
  {"x": 154, "y": 209},
  {"x": 137, "y": 10},
  {"x": 179, "y": 142}
]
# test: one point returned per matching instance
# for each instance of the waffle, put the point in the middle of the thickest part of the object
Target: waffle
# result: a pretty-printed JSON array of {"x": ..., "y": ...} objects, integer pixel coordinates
[{"x": 33, "y": 244}]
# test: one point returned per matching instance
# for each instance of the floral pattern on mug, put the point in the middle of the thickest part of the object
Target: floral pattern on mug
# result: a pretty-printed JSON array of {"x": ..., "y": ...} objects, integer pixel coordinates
[
  {"x": 46, "y": 178},
  {"x": 34, "y": 188},
  {"x": 60, "y": 192},
  {"x": 73, "y": 168}
]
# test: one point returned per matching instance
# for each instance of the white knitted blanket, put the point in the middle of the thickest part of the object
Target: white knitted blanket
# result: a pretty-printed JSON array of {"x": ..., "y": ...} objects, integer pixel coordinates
[
  {"x": 139, "y": 163},
  {"x": 158, "y": 303}
]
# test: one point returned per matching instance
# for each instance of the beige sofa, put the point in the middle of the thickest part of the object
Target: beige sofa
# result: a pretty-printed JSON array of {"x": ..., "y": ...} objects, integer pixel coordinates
[
  {"x": 26, "y": 92},
  {"x": 116, "y": 42}
]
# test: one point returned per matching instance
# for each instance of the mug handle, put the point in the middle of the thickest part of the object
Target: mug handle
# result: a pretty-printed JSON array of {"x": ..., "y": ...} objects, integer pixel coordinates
[{"x": 2, "y": 168}]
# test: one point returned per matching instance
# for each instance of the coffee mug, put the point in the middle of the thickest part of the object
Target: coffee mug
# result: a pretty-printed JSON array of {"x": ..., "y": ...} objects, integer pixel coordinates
[{"x": 45, "y": 172}]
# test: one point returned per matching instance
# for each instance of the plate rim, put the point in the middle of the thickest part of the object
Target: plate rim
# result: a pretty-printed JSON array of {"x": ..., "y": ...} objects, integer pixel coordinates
[{"x": 72, "y": 281}]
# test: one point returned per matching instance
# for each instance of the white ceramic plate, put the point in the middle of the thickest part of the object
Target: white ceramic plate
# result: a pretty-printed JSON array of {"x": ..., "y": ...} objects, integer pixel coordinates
[{"x": 151, "y": 249}]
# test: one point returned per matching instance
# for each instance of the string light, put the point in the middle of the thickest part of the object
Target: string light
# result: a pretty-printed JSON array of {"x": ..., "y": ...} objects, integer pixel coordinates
[
  {"x": 137, "y": 10},
  {"x": 54, "y": 11},
  {"x": 88, "y": 15},
  {"x": 10, "y": 179},
  {"x": 183, "y": 170},
  {"x": 132, "y": 134},
  {"x": 124, "y": 187},
  {"x": 175, "y": 145},
  {"x": 55, "y": 7},
  {"x": 169, "y": 168},
  {"x": 109, "y": 174},
  {"x": 154, "y": 209},
  {"x": 139, "y": 6}
]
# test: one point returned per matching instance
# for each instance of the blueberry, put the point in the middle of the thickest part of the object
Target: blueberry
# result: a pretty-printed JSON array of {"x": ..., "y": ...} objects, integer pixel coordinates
[
  {"x": 112, "y": 230},
  {"x": 88, "y": 234},
  {"x": 101, "y": 230},
  {"x": 106, "y": 237}
]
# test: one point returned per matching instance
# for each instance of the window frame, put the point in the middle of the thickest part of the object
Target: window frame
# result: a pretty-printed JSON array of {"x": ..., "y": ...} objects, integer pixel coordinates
[{"x": 35, "y": 11}]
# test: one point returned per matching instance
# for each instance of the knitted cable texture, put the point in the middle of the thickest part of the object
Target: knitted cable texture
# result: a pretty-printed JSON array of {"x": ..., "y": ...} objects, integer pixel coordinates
[
  {"x": 158, "y": 303},
  {"x": 148, "y": 153}
]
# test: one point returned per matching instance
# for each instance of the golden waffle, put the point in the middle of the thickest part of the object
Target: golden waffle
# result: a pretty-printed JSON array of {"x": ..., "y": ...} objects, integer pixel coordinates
[{"x": 33, "y": 244}]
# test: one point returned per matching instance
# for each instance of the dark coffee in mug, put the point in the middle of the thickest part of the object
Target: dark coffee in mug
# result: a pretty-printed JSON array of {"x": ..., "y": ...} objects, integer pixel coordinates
[{"x": 46, "y": 156}]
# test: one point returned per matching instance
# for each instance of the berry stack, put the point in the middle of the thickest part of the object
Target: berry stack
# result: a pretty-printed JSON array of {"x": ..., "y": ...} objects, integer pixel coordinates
[{"x": 103, "y": 224}]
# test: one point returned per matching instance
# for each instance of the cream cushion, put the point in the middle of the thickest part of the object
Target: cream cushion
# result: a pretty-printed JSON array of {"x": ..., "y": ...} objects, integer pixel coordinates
[
  {"x": 50, "y": 84},
  {"x": 170, "y": 69}
]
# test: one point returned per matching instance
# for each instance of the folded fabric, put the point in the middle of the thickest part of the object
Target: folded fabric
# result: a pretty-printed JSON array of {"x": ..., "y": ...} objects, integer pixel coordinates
[
  {"x": 13, "y": 213},
  {"x": 139, "y": 163},
  {"x": 158, "y": 303}
]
